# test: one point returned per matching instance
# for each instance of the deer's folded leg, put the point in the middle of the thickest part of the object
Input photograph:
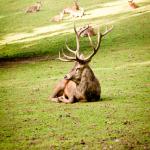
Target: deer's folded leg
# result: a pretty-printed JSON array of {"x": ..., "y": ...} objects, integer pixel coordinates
[
  {"x": 54, "y": 99},
  {"x": 65, "y": 100}
]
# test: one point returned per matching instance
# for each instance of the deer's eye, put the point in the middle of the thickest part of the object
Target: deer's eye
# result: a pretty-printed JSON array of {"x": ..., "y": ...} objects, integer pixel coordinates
[{"x": 77, "y": 69}]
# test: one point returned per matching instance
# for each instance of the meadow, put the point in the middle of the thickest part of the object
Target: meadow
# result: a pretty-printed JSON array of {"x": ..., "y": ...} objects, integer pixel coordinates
[{"x": 29, "y": 70}]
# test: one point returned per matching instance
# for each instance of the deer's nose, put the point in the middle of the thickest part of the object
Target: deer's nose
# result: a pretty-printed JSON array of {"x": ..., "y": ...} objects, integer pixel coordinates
[
  {"x": 65, "y": 77},
  {"x": 68, "y": 77}
]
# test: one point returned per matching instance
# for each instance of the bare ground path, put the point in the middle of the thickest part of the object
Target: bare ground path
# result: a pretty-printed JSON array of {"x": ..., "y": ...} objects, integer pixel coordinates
[{"x": 112, "y": 8}]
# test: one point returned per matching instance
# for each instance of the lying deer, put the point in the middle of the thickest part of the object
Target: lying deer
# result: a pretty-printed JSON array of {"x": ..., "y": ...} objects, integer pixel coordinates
[
  {"x": 89, "y": 31},
  {"x": 80, "y": 84},
  {"x": 132, "y": 4},
  {"x": 75, "y": 7},
  {"x": 77, "y": 13},
  {"x": 74, "y": 11},
  {"x": 34, "y": 8},
  {"x": 58, "y": 18}
]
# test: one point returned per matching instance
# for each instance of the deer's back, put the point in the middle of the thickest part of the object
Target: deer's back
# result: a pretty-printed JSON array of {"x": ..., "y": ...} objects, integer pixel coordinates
[
  {"x": 93, "y": 91},
  {"x": 89, "y": 85}
]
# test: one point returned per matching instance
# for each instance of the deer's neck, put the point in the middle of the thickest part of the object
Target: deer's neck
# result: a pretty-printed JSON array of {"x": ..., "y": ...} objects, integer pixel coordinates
[{"x": 87, "y": 77}]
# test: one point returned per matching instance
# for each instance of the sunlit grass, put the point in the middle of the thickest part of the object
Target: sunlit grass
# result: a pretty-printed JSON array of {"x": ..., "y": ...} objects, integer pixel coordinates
[{"x": 28, "y": 120}]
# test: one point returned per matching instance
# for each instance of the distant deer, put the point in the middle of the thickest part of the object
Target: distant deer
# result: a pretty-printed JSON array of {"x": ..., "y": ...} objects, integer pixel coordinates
[
  {"x": 132, "y": 4},
  {"x": 80, "y": 84},
  {"x": 75, "y": 7},
  {"x": 58, "y": 18},
  {"x": 34, "y": 8},
  {"x": 77, "y": 13},
  {"x": 75, "y": 10},
  {"x": 89, "y": 31}
]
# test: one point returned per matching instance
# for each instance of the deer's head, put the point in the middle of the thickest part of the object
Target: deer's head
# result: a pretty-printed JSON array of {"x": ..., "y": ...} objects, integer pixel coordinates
[
  {"x": 81, "y": 62},
  {"x": 39, "y": 3},
  {"x": 75, "y": 73}
]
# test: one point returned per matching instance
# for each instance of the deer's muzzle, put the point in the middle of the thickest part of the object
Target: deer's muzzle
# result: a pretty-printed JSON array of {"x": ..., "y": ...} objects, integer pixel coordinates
[{"x": 67, "y": 77}]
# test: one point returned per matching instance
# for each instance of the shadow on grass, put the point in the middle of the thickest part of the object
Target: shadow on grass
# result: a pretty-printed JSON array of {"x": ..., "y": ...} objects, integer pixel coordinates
[
  {"x": 100, "y": 100},
  {"x": 106, "y": 98}
]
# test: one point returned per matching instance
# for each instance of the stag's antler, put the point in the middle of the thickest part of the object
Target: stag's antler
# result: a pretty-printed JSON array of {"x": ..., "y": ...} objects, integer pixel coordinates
[
  {"x": 76, "y": 52},
  {"x": 99, "y": 39}
]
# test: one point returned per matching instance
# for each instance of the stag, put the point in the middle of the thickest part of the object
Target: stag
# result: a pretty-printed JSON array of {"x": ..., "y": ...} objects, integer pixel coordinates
[
  {"x": 80, "y": 84},
  {"x": 34, "y": 8}
]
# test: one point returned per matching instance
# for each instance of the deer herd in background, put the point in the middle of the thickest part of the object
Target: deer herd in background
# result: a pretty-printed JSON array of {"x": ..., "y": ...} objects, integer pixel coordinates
[
  {"x": 74, "y": 11},
  {"x": 80, "y": 84}
]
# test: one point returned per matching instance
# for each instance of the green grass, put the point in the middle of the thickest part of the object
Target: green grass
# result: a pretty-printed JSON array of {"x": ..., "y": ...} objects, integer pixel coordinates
[
  {"x": 15, "y": 20},
  {"x": 28, "y": 120},
  {"x": 51, "y": 45}
]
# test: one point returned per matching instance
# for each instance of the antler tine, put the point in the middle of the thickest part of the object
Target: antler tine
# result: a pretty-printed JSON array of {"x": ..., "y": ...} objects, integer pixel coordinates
[
  {"x": 83, "y": 30},
  {"x": 100, "y": 35},
  {"x": 76, "y": 52},
  {"x": 69, "y": 49},
  {"x": 65, "y": 60},
  {"x": 77, "y": 39},
  {"x": 68, "y": 57},
  {"x": 91, "y": 42},
  {"x": 99, "y": 39},
  {"x": 95, "y": 49},
  {"x": 107, "y": 30},
  {"x": 78, "y": 44},
  {"x": 78, "y": 35}
]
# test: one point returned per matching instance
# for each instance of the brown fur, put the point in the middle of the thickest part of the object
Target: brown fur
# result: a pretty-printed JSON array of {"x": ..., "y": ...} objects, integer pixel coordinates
[
  {"x": 34, "y": 8},
  {"x": 89, "y": 30},
  {"x": 75, "y": 7},
  {"x": 87, "y": 85},
  {"x": 58, "y": 18},
  {"x": 77, "y": 13},
  {"x": 132, "y": 4},
  {"x": 80, "y": 84},
  {"x": 74, "y": 11}
]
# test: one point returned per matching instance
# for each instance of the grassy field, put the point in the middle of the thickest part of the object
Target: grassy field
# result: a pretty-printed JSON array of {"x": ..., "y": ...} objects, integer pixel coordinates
[{"x": 29, "y": 72}]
